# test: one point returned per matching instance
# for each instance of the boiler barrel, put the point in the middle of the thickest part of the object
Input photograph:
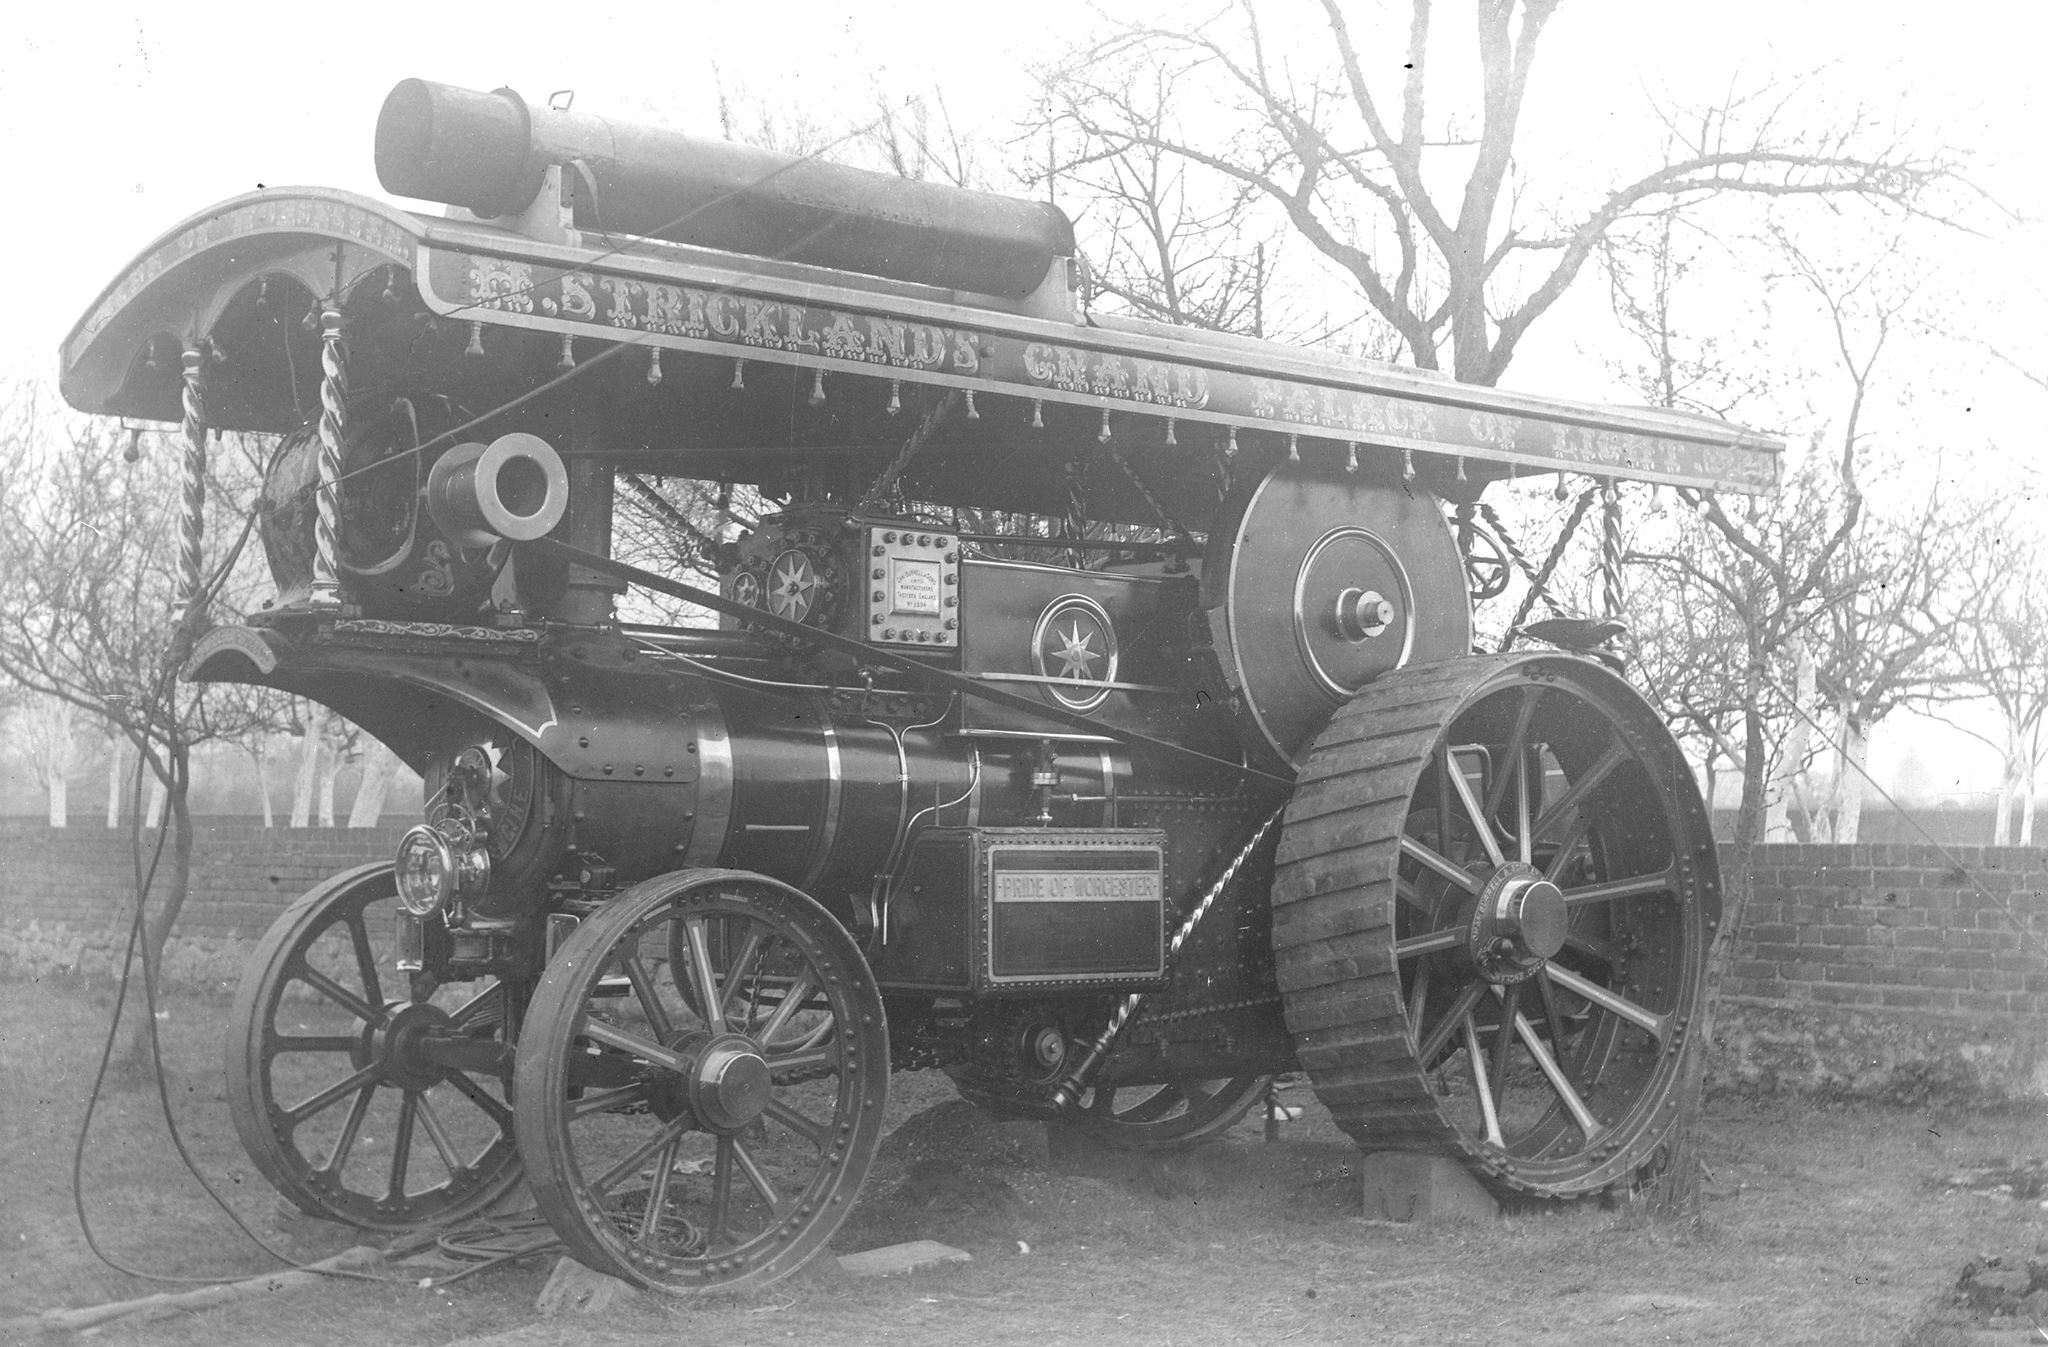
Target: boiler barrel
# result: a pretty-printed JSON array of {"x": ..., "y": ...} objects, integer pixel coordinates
[{"x": 487, "y": 152}]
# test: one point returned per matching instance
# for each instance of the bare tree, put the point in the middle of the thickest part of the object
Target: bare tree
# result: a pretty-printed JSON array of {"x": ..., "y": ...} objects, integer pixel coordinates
[
  {"x": 1902, "y": 611},
  {"x": 46, "y": 733},
  {"x": 2005, "y": 656},
  {"x": 1358, "y": 167},
  {"x": 90, "y": 610}
]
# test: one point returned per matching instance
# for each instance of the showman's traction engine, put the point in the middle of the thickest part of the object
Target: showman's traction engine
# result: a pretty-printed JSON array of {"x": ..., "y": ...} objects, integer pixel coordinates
[{"x": 1084, "y": 706}]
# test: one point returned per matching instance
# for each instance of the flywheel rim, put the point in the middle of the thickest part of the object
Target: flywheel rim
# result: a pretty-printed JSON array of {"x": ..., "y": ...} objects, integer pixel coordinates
[{"x": 1401, "y": 938}]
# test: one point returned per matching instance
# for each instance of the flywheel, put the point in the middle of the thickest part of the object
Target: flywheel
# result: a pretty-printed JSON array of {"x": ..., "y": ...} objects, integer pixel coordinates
[
  {"x": 1493, "y": 898},
  {"x": 1319, "y": 581}
]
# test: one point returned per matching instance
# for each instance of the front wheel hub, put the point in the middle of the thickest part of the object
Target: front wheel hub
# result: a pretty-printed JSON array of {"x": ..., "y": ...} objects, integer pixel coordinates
[
  {"x": 1518, "y": 923},
  {"x": 729, "y": 1085},
  {"x": 400, "y": 1046}
]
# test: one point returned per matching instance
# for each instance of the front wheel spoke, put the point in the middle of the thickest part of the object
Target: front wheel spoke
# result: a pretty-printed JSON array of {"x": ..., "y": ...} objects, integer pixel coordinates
[
  {"x": 351, "y": 1128},
  {"x": 366, "y": 959},
  {"x": 1435, "y": 941},
  {"x": 401, "y": 1147},
  {"x": 341, "y": 1089},
  {"x": 657, "y": 1192},
  {"x": 1560, "y": 1084},
  {"x": 1482, "y": 824},
  {"x": 1489, "y": 1116},
  {"x": 745, "y": 1160},
  {"x": 1638, "y": 886},
  {"x": 602, "y": 1031},
  {"x": 1587, "y": 782},
  {"x": 340, "y": 995},
  {"x": 709, "y": 994},
  {"x": 604, "y": 1101},
  {"x": 741, "y": 968},
  {"x": 638, "y": 1156},
  {"x": 1643, "y": 1017},
  {"x": 493, "y": 1108},
  {"x": 645, "y": 992},
  {"x": 796, "y": 1122},
  {"x": 1405, "y": 890},
  {"x": 721, "y": 1192},
  {"x": 310, "y": 1043},
  {"x": 1451, "y": 870},
  {"x": 489, "y": 999},
  {"x": 792, "y": 1001},
  {"x": 444, "y": 1145},
  {"x": 1448, "y": 1025},
  {"x": 816, "y": 1059}
]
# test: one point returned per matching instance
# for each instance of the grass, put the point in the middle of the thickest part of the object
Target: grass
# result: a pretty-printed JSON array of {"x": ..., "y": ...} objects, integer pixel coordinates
[{"x": 1830, "y": 1228}]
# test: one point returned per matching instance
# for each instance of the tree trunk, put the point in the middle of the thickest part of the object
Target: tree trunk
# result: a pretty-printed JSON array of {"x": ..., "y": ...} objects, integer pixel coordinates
[
  {"x": 259, "y": 753},
  {"x": 1849, "y": 766},
  {"x": 330, "y": 768},
  {"x": 2001, "y": 815},
  {"x": 2028, "y": 799},
  {"x": 380, "y": 764},
  {"x": 1675, "y": 1195},
  {"x": 309, "y": 764},
  {"x": 115, "y": 784},
  {"x": 1791, "y": 766},
  {"x": 167, "y": 894}
]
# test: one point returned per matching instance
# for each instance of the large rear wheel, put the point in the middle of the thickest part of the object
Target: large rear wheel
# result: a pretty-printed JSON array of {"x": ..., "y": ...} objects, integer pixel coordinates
[{"x": 1493, "y": 898}]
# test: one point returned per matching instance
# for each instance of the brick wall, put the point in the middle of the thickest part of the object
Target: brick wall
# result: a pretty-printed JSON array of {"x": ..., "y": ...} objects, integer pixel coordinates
[
  {"x": 1876, "y": 970},
  {"x": 1888, "y": 926},
  {"x": 65, "y": 893}
]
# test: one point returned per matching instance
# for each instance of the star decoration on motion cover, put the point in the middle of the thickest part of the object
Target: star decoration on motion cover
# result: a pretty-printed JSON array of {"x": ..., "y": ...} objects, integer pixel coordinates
[{"x": 1074, "y": 648}]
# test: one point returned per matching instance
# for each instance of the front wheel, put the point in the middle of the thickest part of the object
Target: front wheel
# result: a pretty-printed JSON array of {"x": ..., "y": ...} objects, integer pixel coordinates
[
  {"x": 701, "y": 1082},
  {"x": 329, "y": 1083}
]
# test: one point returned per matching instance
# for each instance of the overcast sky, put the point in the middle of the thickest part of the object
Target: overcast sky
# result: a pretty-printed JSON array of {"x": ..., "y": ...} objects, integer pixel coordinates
[{"x": 121, "y": 119}]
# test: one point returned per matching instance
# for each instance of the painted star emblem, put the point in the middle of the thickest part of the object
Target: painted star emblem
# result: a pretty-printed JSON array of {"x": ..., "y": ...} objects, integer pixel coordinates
[
  {"x": 791, "y": 585},
  {"x": 1077, "y": 654}
]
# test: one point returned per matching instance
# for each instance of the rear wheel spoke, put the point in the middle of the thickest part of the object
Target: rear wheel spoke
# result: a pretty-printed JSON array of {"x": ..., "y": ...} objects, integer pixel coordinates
[
  {"x": 1582, "y": 787},
  {"x": 1482, "y": 823},
  {"x": 1642, "y": 1017},
  {"x": 1442, "y": 865},
  {"x": 1560, "y": 1084},
  {"x": 1482, "y": 1086},
  {"x": 1468, "y": 997},
  {"x": 1510, "y": 997},
  {"x": 1608, "y": 891}
]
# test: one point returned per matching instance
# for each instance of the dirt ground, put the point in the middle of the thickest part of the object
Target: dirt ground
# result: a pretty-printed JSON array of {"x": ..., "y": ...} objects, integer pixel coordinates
[{"x": 1826, "y": 1225}]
